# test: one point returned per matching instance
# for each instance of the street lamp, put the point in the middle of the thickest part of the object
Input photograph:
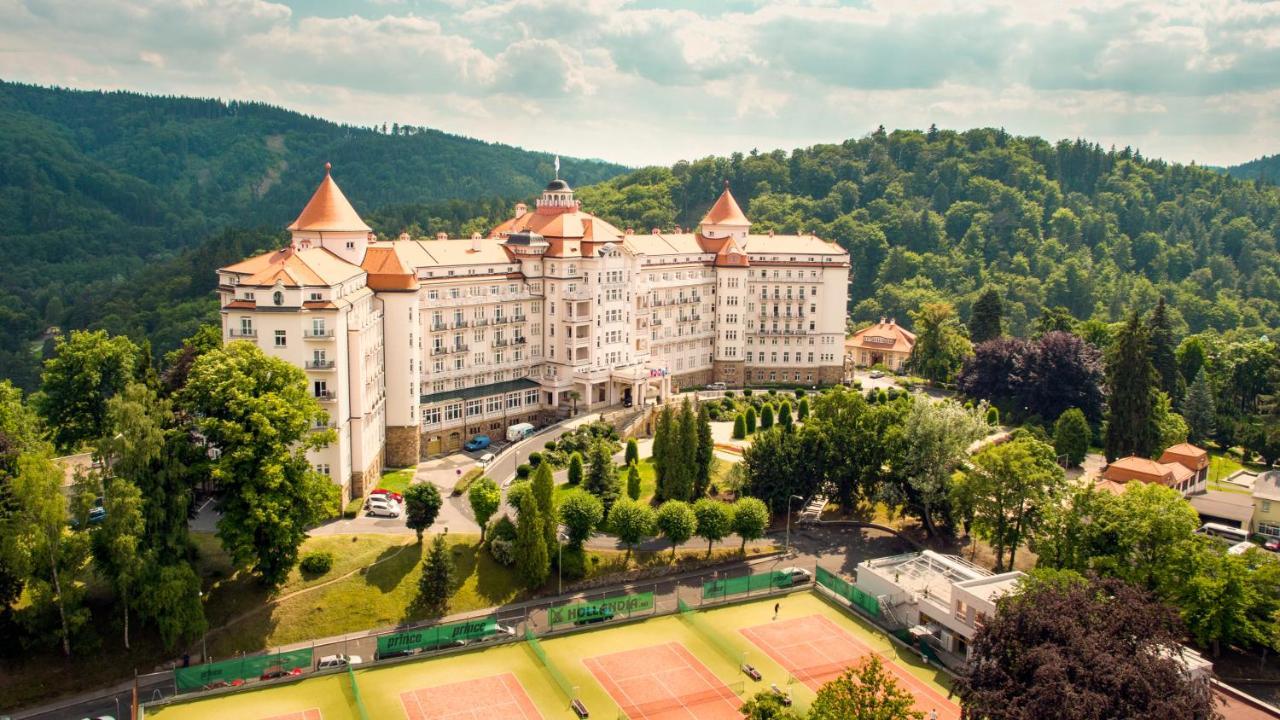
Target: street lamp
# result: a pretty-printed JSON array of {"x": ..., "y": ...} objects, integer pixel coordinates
[
  {"x": 561, "y": 539},
  {"x": 793, "y": 497}
]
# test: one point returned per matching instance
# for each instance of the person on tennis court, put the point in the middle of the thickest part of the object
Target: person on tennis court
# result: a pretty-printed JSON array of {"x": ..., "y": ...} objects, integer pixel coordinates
[
  {"x": 933, "y": 714},
  {"x": 776, "y": 608}
]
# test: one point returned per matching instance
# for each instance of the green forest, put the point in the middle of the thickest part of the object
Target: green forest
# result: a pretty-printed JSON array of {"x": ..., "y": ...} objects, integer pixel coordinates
[
  {"x": 102, "y": 188},
  {"x": 115, "y": 208}
]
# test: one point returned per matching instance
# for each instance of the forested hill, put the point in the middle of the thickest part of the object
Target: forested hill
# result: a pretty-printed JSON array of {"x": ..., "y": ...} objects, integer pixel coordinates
[
  {"x": 1265, "y": 168},
  {"x": 93, "y": 185},
  {"x": 940, "y": 215}
]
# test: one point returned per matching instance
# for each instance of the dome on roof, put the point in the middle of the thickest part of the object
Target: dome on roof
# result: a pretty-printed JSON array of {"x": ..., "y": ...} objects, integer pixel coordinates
[{"x": 558, "y": 185}]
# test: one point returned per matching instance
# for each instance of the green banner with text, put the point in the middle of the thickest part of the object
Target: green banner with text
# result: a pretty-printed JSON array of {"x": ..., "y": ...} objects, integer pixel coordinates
[
  {"x": 430, "y": 638},
  {"x": 600, "y": 610},
  {"x": 243, "y": 668}
]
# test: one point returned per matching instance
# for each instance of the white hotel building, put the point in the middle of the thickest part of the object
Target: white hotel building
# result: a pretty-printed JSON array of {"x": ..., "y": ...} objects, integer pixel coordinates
[{"x": 414, "y": 345}]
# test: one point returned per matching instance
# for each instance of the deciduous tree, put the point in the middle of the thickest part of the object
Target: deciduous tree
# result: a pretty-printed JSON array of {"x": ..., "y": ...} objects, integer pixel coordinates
[
  {"x": 866, "y": 690},
  {"x": 941, "y": 346},
  {"x": 118, "y": 549},
  {"x": 935, "y": 437},
  {"x": 633, "y": 522},
  {"x": 86, "y": 369},
  {"x": 677, "y": 522},
  {"x": 485, "y": 497},
  {"x": 1071, "y": 436},
  {"x": 1065, "y": 645},
  {"x": 257, "y": 412},
  {"x": 422, "y": 504},
  {"x": 750, "y": 519},
  {"x": 581, "y": 512}
]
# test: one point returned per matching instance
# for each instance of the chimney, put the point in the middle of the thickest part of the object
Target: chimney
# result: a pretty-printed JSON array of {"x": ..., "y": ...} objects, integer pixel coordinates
[
  {"x": 475, "y": 242},
  {"x": 521, "y": 209},
  {"x": 655, "y": 231},
  {"x": 442, "y": 236},
  {"x": 631, "y": 231},
  {"x": 404, "y": 237},
  {"x": 678, "y": 230}
]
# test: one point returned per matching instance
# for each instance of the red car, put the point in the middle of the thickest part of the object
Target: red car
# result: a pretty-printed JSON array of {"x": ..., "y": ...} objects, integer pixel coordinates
[
  {"x": 393, "y": 495},
  {"x": 1273, "y": 545}
]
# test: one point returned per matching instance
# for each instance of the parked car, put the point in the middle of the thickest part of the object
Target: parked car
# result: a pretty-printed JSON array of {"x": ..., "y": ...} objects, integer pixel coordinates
[
  {"x": 383, "y": 492},
  {"x": 1273, "y": 545},
  {"x": 485, "y": 459},
  {"x": 278, "y": 671},
  {"x": 798, "y": 575},
  {"x": 877, "y": 374},
  {"x": 597, "y": 615},
  {"x": 337, "y": 661},
  {"x": 382, "y": 507},
  {"x": 717, "y": 386},
  {"x": 478, "y": 442}
]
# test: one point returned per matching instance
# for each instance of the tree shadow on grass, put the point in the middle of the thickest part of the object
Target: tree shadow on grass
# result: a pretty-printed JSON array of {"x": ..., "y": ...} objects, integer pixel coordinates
[{"x": 391, "y": 567}]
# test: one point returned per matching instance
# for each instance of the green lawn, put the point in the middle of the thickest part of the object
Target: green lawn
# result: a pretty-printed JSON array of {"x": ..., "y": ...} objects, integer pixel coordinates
[
  {"x": 397, "y": 480},
  {"x": 648, "y": 482}
]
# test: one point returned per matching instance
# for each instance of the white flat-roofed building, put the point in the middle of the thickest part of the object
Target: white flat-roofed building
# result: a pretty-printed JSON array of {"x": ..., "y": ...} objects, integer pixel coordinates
[
  {"x": 945, "y": 597},
  {"x": 416, "y": 344}
]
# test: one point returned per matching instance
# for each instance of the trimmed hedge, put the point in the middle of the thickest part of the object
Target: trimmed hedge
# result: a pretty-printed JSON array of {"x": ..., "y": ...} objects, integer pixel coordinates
[{"x": 465, "y": 481}]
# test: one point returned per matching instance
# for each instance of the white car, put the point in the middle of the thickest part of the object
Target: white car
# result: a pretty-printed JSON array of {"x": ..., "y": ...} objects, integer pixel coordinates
[
  {"x": 337, "y": 661},
  {"x": 381, "y": 507},
  {"x": 485, "y": 459},
  {"x": 798, "y": 575}
]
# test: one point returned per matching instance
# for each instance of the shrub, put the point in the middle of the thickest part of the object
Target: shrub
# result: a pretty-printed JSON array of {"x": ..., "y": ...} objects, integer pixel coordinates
[
  {"x": 739, "y": 428},
  {"x": 993, "y": 415},
  {"x": 728, "y": 394},
  {"x": 746, "y": 392},
  {"x": 575, "y": 468},
  {"x": 800, "y": 392},
  {"x": 316, "y": 563},
  {"x": 573, "y": 563},
  {"x": 503, "y": 551},
  {"x": 535, "y": 459},
  {"x": 727, "y": 404},
  {"x": 549, "y": 445},
  {"x": 523, "y": 470},
  {"x": 501, "y": 528},
  {"x": 467, "y": 478},
  {"x": 751, "y": 420}
]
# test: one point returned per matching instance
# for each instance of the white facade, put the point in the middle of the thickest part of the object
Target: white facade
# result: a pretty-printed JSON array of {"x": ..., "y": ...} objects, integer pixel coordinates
[{"x": 414, "y": 345}]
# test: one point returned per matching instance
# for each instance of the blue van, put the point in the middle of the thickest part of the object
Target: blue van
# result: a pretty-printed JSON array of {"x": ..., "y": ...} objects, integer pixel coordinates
[{"x": 478, "y": 442}]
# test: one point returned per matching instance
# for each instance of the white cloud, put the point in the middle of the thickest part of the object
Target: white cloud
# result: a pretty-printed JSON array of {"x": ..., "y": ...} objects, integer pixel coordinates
[{"x": 655, "y": 81}]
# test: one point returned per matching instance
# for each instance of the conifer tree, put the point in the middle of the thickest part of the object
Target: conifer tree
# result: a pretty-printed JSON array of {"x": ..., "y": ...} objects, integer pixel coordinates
[
  {"x": 684, "y": 454},
  {"x": 544, "y": 487},
  {"x": 575, "y": 468},
  {"x": 602, "y": 476},
  {"x": 633, "y": 481},
  {"x": 633, "y": 452},
  {"x": 751, "y": 420},
  {"x": 766, "y": 417},
  {"x": 706, "y": 453},
  {"x": 436, "y": 583},
  {"x": 1131, "y": 385},
  {"x": 1164, "y": 350},
  {"x": 784, "y": 415},
  {"x": 739, "y": 427},
  {"x": 533, "y": 563},
  {"x": 986, "y": 322},
  {"x": 802, "y": 410},
  {"x": 662, "y": 440},
  {"x": 1198, "y": 409}
]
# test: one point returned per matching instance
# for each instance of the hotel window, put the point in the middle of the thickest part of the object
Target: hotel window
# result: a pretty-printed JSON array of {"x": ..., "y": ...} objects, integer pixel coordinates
[
  {"x": 513, "y": 401},
  {"x": 280, "y": 338},
  {"x": 323, "y": 469},
  {"x": 321, "y": 388},
  {"x": 459, "y": 363},
  {"x": 433, "y": 294},
  {"x": 493, "y": 404},
  {"x": 246, "y": 326},
  {"x": 473, "y": 408},
  {"x": 531, "y": 396},
  {"x": 437, "y": 366},
  {"x": 455, "y": 293},
  {"x": 431, "y": 416},
  {"x": 453, "y": 412}
]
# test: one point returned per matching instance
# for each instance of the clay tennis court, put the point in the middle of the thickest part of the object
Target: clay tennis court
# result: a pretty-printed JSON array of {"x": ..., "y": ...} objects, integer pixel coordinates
[
  {"x": 814, "y": 650},
  {"x": 312, "y": 714},
  {"x": 664, "y": 682},
  {"x": 499, "y": 697}
]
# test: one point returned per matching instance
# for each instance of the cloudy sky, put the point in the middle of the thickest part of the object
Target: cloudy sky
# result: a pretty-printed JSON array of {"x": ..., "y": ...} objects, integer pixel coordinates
[{"x": 652, "y": 81}]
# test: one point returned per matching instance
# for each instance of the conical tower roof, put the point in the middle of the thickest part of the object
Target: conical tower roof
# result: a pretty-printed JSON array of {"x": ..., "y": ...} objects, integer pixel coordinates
[
  {"x": 328, "y": 210},
  {"x": 725, "y": 211}
]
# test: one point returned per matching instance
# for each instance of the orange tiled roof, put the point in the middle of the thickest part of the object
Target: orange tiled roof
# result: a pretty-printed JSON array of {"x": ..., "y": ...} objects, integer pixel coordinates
[
  {"x": 328, "y": 210},
  {"x": 386, "y": 271},
  {"x": 725, "y": 211},
  {"x": 884, "y": 336},
  {"x": 1187, "y": 455},
  {"x": 730, "y": 255},
  {"x": 566, "y": 225},
  {"x": 1139, "y": 465}
]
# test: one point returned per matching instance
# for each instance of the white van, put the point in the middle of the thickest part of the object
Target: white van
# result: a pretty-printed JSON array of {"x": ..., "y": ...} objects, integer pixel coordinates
[{"x": 519, "y": 431}]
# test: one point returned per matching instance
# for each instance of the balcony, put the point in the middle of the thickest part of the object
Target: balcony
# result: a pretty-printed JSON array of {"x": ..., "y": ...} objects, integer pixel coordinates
[
  {"x": 519, "y": 318},
  {"x": 520, "y": 340},
  {"x": 579, "y": 294},
  {"x": 460, "y": 324},
  {"x": 458, "y": 349},
  {"x": 500, "y": 343},
  {"x": 481, "y": 322},
  {"x": 317, "y": 334},
  {"x": 326, "y": 396},
  {"x": 439, "y": 327},
  {"x": 319, "y": 364},
  {"x": 242, "y": 332},
  {"x": 578, "y": 319},
  {"x": 575, "y": 342}
]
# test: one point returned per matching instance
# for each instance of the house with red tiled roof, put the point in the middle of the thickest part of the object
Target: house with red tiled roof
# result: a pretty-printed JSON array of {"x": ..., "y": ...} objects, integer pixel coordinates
[
  {"x": 1183, "y": 467},
  {"x": 885, "y": 343}
]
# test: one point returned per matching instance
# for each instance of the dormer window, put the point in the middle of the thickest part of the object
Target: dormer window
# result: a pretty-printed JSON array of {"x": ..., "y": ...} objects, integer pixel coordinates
[
  {"x": 315, "y": 296},
  {"x": 277, "y": 297}
]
